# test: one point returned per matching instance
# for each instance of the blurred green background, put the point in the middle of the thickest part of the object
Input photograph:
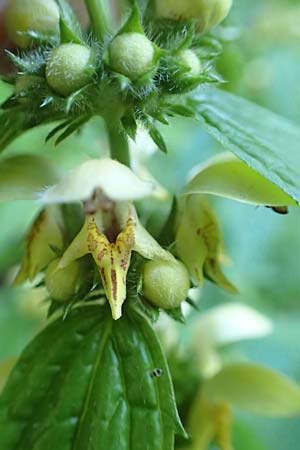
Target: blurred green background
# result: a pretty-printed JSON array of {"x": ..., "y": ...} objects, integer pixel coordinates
[{"x": 260, "y": 62}]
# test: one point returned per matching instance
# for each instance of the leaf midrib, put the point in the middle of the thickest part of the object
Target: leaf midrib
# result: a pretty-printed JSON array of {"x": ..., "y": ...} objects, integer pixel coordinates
[{"x": 106, "y": 333}]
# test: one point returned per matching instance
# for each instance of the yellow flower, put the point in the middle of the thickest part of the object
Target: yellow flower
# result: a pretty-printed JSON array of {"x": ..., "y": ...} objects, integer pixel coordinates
[
  {"x": 112, "y": 230},
  {"x": 199, "y": 241},
  {"x": 46, "y": 233}
]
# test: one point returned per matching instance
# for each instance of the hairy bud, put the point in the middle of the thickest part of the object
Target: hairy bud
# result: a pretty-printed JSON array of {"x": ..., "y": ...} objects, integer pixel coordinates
[
  {"x": 132, "y": 54},
  {"x": 208, "y": 13},
  {"x": 166, "y": 283},
  {"x": 189, "y": 59},
  {"x": 24, "y": 16},
  {"x": 69, "y": 68}
]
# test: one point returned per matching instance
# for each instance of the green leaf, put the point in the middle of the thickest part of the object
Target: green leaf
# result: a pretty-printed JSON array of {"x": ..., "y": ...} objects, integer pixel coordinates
[
  {"x": 88, "y": 383},
  {"x": 16, "y": 121},
  {"x": 268, "y": 143},
  {"x": 157, "y": 138},
  {"x": 22, "y": 177},
  {"x": 69, "y": 26},
  {"x": 256, "y": 389},
  {"x": 229, "y": 177},
  {"x": 29, "y": 63}
]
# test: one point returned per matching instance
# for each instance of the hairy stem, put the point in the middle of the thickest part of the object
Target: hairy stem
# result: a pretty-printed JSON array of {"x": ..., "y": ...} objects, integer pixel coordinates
[
  {"x": 99, "y": 16},
  {"x": 119, "y": 148}
]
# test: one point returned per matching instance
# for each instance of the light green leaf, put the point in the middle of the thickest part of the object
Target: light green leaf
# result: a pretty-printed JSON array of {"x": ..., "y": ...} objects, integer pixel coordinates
[
  {"x": 87, "y": 383},
  {"x": 256, "y": 389},
  {"x": 23, "y": 176},
  {"x": 268, "y": 143},
  {"x": 229, "y": 177}
]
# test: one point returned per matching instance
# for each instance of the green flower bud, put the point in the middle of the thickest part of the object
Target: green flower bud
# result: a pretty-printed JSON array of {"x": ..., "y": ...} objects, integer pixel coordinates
[
  {"x": 132, "y": 54},
  {"x": 208, "y": 13},
  {"x": 69, "y": 68},
  {"x": 61, "y": 283},
  {"x": 189, "y": 59},
  {"x": 166, "y": 283},
  {"x": 22, "y": 16}
]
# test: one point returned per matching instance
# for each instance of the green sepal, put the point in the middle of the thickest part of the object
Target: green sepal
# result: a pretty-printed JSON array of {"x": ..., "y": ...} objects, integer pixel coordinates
[
  {"x": 93, "y": 388},
  {"x": 78, "y": 97},
  {"x": 158, "y": 139},
  {"x": 188, "y": 37},
  {"x": 32, "y": 63},
  {"x": 58, "y": 128},
  {"x": 133, "y": 23},
  {"x": 75, "y": 125},
  {"x": 176, "y": 314},
  {"x": 130, "y": 126},
  {"x": 70, "y": 30},
  {"x": 180, "y": 110}
]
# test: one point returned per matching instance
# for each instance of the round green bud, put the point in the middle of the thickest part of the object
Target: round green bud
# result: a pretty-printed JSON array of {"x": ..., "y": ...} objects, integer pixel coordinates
[
  {"x": 69, "y": 68},
  {"x": 40, "y": 16},
  {"x": 165, "y": 284},
  {"x": 131, "y": 54},
  {"x": 208, "y": 13},
  {"x": 61, "y": 283},
  {"x": 189, "y": 59}
]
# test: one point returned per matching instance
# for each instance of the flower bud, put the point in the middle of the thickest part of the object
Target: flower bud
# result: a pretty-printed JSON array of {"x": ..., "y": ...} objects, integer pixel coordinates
[
  {"x": 61, "y": 283},
  {"x": 23, "y": 16},
  {"x": 69, "y": 68},
  {"x": 189, "y": 59},
  {"x": 166, "y": 283},
  {"x": 132, "y": 54},
  {"x": 208, "y": 13}
]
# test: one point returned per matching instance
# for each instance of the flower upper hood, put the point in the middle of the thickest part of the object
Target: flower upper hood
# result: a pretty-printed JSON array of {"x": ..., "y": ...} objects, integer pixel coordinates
[{"x": 116, "y": 181}]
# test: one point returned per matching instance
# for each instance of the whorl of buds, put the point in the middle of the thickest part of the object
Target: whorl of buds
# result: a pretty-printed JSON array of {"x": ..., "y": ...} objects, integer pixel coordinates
[
  {"x": 131, "y": 54},
  {"x": 165, "y": 283},
  {"x": 61, "y": 283},
  {"x": 24, "y": 16},
  {"x": 69, "y": 68},
  {"x": 208, "y": 13}
]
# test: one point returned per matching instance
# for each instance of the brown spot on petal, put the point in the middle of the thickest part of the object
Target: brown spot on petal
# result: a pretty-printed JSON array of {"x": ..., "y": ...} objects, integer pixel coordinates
[
  {"x": 103, "y": 275},
  {"x": 114, "y": 284},
  {"x": 101, "y": 255}
]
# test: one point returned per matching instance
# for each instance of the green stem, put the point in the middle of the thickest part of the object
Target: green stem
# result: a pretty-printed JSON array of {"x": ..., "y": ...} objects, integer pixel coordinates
[
  {"x": 99, "y": 16},
  {"x": 119, "y": 148}
]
